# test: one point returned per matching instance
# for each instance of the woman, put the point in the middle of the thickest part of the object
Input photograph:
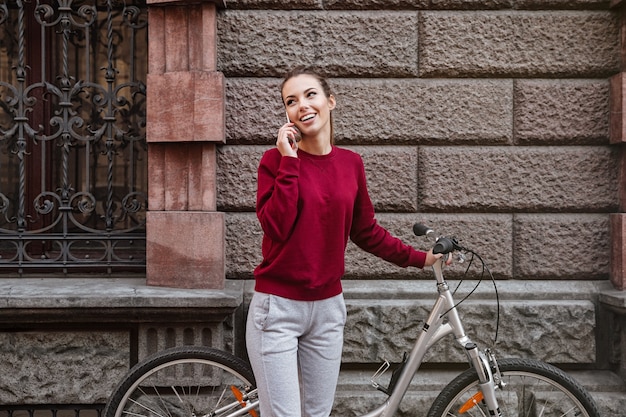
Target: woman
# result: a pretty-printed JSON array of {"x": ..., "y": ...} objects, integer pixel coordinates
[{"x": 312, "y": 197}]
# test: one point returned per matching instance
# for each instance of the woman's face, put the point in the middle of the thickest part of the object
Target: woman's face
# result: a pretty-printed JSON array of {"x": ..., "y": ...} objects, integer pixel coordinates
[{"x": 307, "y": 105}]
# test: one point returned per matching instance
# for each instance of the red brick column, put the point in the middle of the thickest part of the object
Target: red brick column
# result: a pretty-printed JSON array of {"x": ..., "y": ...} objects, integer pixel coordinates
[
  {"x": 185, "y": 121},
  {"x": 618, "y": 138},
  {"x": 618, "y": 220}
]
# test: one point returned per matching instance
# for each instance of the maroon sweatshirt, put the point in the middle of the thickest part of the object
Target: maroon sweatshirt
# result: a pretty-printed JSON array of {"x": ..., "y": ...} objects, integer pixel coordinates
[{"x": 308, "y": 208}]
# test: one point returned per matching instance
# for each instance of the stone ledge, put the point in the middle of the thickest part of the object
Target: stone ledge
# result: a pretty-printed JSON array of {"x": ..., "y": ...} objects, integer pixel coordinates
[
  {"x": 614, "y": 300},
  {"x": 507, "y": 289},
  {"x": 425, "y": 290},
  {"x": 87, "y": 300}
]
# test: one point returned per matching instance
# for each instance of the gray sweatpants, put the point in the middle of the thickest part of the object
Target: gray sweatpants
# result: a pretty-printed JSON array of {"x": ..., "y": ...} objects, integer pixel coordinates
[{"x": 295, "y": 351}]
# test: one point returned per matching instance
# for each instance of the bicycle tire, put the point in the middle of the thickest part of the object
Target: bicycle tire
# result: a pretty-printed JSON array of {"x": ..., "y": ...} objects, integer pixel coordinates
[
  {"x": 534, "y": 388},
  {"x": 181, "y": 381}
]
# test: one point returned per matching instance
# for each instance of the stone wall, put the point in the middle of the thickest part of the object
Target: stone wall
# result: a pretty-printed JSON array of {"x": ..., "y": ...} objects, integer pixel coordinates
[{"x": 488, "y": 120}]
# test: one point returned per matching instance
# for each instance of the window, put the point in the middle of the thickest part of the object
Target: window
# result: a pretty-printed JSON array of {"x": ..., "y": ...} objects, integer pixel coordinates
[{"x": 73, "y": 156}]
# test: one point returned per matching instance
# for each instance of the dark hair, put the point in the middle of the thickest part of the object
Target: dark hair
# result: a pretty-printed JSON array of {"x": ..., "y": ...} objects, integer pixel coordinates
[{"x": 306, "y": 70}]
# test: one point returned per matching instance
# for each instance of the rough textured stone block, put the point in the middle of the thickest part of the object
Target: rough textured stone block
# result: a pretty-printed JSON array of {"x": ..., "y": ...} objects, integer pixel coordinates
[
  {"x": 417, "y": 4},
  {"x": 518, "y": 44},
  {"x": 254, "y": 110},
  {"x": 390, "y": 111},
  {"x": 376, "y": 4},
  {"x": 237, "y": 177},
  {"x": 391, "y": 174},
  {"x": 555, "y": 4},
  {"x": 569, "y": 247},
  {"x": 566, "y": 112},
  {"x": 61, "y": 367},
  {"x": 186, "y": 249},
  {"x": 553, "y": 330},
  {"x": 423, "y": 111},
  {"x": 613, "y": 403},
  {"x": 381, "y": 43},
  {"x": 572, "y": 246},
  {"x": 276, "y": 4},
  {"x": 365, "y": 399},
  {"x": 530, "y": 179},
  {"x": 243, "y": 244},
  {"x": 488, "y": 235}
]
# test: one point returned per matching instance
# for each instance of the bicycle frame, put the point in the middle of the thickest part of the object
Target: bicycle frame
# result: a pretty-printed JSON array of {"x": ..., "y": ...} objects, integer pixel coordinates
[
  {"x": 435, "y": 328},
  {"x": 443, "y": 320},
  {"x": 186, "y": 379}
]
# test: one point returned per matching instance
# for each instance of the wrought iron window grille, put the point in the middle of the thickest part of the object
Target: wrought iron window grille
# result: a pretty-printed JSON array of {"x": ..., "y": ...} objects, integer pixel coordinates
[{"x": 73, "y": 153}]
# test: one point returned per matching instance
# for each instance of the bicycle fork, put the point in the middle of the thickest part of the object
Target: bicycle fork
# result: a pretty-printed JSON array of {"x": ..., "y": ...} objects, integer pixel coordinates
[{"x": 487, "y": 381}]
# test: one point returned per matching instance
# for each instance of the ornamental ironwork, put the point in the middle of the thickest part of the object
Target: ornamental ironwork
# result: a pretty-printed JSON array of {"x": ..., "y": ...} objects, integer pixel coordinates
[{"x": 73, "y": 155}]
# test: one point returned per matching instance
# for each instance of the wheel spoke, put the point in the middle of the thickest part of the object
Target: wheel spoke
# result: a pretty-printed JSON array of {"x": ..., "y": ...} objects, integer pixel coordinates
[
  {"x": 531, "y": 389},
  {"x": 182, "y": 382}
]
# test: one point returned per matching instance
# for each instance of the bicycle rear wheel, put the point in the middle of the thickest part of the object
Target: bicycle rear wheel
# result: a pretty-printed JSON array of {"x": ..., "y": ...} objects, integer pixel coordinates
[
  {"x": 533, "y": 388},
  {"x": 183, "y": 382}
]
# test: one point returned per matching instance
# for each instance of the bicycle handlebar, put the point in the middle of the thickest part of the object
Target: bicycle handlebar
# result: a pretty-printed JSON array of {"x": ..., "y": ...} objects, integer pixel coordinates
[
  {"x": 443, "y": 244},
  {"x": 448, "y": 244}
]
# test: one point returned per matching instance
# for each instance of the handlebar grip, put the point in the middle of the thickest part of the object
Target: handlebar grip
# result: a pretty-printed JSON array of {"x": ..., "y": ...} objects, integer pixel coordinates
[
  {"x": 444, "y": 245},
  {"x": 421, "y": 230}
]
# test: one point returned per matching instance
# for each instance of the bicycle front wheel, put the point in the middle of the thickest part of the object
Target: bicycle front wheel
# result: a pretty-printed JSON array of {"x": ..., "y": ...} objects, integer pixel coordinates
[
  {"x": 185, "y": 381},
  {"x": 532, "y": 388}
]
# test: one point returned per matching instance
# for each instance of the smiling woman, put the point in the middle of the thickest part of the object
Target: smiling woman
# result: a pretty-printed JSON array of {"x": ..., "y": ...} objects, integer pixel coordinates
[
  {"x": 308, "y": 102},
  {"x": 312, "y": 197}
]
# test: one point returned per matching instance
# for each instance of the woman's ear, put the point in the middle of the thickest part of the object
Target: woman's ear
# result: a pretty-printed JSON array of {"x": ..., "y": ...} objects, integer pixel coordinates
[{"x": 331, "y": 102}]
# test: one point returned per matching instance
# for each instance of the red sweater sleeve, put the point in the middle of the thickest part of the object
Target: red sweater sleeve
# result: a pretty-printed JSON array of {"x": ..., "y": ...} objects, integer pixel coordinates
[{"x": 277, "y": 195}]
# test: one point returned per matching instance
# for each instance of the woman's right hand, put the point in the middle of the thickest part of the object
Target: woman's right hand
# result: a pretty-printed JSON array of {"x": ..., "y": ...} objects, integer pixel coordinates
[
  {"x": 431, "y": 258},
  {"x": 287, "y": 140}
]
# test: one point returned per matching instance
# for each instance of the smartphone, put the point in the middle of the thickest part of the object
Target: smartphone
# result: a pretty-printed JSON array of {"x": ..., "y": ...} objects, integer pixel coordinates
[{"x": 298, "y": 135}]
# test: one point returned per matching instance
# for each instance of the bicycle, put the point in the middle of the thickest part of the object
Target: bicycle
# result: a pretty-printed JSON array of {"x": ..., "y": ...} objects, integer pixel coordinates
[{"x": 196, "y": 381}]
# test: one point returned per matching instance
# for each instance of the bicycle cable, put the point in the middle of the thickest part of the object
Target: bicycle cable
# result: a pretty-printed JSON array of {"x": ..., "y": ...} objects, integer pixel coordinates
[{"x": 486, "y": 269}]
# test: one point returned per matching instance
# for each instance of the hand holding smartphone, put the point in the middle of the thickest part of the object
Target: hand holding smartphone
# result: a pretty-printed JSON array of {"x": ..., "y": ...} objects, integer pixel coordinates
[{"x": 297, "y": 136}]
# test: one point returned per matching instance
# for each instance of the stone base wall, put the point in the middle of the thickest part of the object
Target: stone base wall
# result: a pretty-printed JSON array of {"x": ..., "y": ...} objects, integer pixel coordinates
[
  {"x": 71, "y": 341},
  {"x": 57, "y": 348}
]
